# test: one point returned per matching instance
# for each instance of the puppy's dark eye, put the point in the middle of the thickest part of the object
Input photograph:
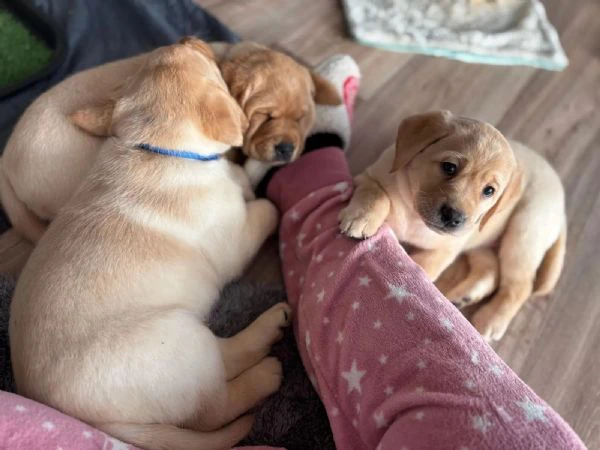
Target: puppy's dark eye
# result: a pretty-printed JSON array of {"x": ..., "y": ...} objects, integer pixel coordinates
[
  {"x": 488, "y": 191},
  {"x": 449, "y": 168}
]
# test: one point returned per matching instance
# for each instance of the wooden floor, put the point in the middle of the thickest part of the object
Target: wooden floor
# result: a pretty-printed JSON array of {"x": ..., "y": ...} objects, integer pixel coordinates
[{"x": 554, "y": 343}]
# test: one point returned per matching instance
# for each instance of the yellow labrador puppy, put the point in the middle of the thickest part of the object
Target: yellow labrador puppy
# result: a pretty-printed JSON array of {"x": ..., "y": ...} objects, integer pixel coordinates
[
  {"x": 107, "y": 321},
  {"x": 46, "y": 157},
  {"x": 454, "y": 185}
]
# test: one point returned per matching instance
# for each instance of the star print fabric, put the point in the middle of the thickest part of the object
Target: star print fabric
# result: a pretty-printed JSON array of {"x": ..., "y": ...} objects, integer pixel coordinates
[{"x": 396, "y": 365}]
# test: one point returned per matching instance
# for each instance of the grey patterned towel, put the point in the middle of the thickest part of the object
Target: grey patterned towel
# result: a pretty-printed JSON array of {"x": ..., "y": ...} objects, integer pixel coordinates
[{"x": 508, "y": 32}]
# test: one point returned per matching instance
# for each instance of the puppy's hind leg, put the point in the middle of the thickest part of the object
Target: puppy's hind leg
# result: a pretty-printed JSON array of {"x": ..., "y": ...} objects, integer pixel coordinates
[
  {"x": 243, "y": 393},
  {"x": 521, "y": 252},
  {"x": 251, "y": 345},
  {"x": 481, "y": 281}
]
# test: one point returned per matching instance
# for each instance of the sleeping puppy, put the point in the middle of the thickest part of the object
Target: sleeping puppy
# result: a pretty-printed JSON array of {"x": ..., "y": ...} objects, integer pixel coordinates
[
  {"x": 454, "y": 185},
  {"x": 278, "y": 96},
  {"x": 46, "y": 157},
  {"x": 108, "y": 318}
]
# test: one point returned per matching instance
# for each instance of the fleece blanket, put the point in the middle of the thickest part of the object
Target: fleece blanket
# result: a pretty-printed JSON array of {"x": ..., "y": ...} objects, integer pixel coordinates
[{"x": 509, "y": 32}]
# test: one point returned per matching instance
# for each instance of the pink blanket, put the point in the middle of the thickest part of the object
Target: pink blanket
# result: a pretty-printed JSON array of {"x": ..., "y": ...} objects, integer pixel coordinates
[{"x": 28, "y": 425}]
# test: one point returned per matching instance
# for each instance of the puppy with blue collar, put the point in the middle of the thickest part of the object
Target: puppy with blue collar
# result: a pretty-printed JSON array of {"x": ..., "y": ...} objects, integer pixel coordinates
[{"x": 108, "y": 317}]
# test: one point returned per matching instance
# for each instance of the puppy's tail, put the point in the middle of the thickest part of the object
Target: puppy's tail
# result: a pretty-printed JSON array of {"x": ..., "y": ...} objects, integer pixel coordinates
[
  {"x": 170, "y": 437},
  {"x": 551, "y": 267}
]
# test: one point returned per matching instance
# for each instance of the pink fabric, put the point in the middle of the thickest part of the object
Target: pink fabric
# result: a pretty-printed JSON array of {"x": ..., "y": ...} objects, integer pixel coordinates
[
  {"x": 396, "y": 365},
  {"x": 28, "y": 425}
]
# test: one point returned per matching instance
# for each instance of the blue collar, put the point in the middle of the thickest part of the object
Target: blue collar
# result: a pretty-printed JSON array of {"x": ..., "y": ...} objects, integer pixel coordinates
[{"x": 178, "y": 153}]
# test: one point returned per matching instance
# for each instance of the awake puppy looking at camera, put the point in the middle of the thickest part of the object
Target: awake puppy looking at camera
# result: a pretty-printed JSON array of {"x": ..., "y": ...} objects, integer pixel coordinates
[
  {"x": 107, "y": 320},
  {"x": 453, "y": 184}
]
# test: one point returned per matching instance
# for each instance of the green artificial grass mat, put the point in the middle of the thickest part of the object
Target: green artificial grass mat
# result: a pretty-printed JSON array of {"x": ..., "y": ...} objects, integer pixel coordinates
[{"x": 22, "y": 54}]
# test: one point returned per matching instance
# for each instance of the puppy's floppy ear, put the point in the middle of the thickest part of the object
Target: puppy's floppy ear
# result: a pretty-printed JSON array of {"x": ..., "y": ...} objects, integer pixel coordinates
[
  {"x": 198, "y": 45},
  {"x": 512, "y": 190},
  {"x": 96, "y": 119},
  {"x": 221, "y": 119},
  {"x": 418, "y": 132},
  {"x": 325, "y": 92}
]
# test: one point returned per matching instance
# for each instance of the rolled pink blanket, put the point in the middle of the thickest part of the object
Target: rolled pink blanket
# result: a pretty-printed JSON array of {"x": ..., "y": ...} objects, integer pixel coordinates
[{"x": 396, "y": 365}]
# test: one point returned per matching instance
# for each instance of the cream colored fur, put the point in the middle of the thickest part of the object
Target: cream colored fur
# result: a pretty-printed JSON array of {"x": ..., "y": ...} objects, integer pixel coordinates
[{"x": 107, "y": 320}]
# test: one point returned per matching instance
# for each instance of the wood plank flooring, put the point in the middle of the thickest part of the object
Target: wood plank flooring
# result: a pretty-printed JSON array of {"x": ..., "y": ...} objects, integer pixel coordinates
[{"x": 554, "y": 343}]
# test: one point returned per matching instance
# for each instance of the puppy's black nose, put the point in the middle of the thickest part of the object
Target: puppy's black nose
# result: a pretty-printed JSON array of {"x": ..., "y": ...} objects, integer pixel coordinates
[
  {"x": 284, "y": 151},
  {"x": 451, "y": 218}
]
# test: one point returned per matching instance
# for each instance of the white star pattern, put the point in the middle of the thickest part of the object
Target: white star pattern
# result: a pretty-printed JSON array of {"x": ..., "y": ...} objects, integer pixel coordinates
[
  {"x": 383, "y": 360},
  {"x": 475, "y": 357},
  {"x": 447, "y": 324},
  {"x": 335, "y": 412},
  {"x": 427, "y": 341},
  {"x": 321, "y": 296},
  {"x": 377, "y": 324},
  {"x": 307, "y": 340},
  {"x": 20, "y": 408},
  {"x": 313, "y": 284},
  {"x": 87, "y": 434},
  {"x": 481, "y": 423},
  {"x": 371, "y": 246},
  {"x": 341, "y": 254},
  {"x": 340, "y": 337},
  {"x": 379, "y": 419},
  {"x": 420, "y": 415},
  {"x": 319, "y": 226},
  {"x": 313, "y": 380},
  {"x": 311, "y": 195},
  {"x": 49, "y": 426},
  {"x": 422, "y": 365},
  {"x": 317, "y": 358},
  {"x": 532, "y": 411},
  {"x": 341, "y": 186},
  {"x": 364, "y": 281},
  {"x": 355, "y": 306},
  {"x": 295, "y": 216},
  {"x": 354, "y": 377},
  {"x": 330, "y": 274},
  {"x": 410, "y": 316},
  {"x": 319, "y": 258},
  {"x": 470, "y": 384},
  {"x": 357, "y": 407},
  {"x": 291, "y": 273},
  {"x": 300, "y": 239},
  {"x": 397, "y": 292},
  {"x": 496, "y": 370},
  {"x": 282, "y": 247},
  {"x": 388, "y": 391},
  {"x": 301, "y": 281},
  {"x": 325, "y": 320},
  {"x": 355, "y": 423},
  {"x": 419, "y": 389}
]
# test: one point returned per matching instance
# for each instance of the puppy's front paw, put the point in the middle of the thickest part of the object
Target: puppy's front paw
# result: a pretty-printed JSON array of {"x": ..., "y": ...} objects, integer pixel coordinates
[
  {"x": 491, "y": 322},
  {"x": 358, "y": 223}
]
